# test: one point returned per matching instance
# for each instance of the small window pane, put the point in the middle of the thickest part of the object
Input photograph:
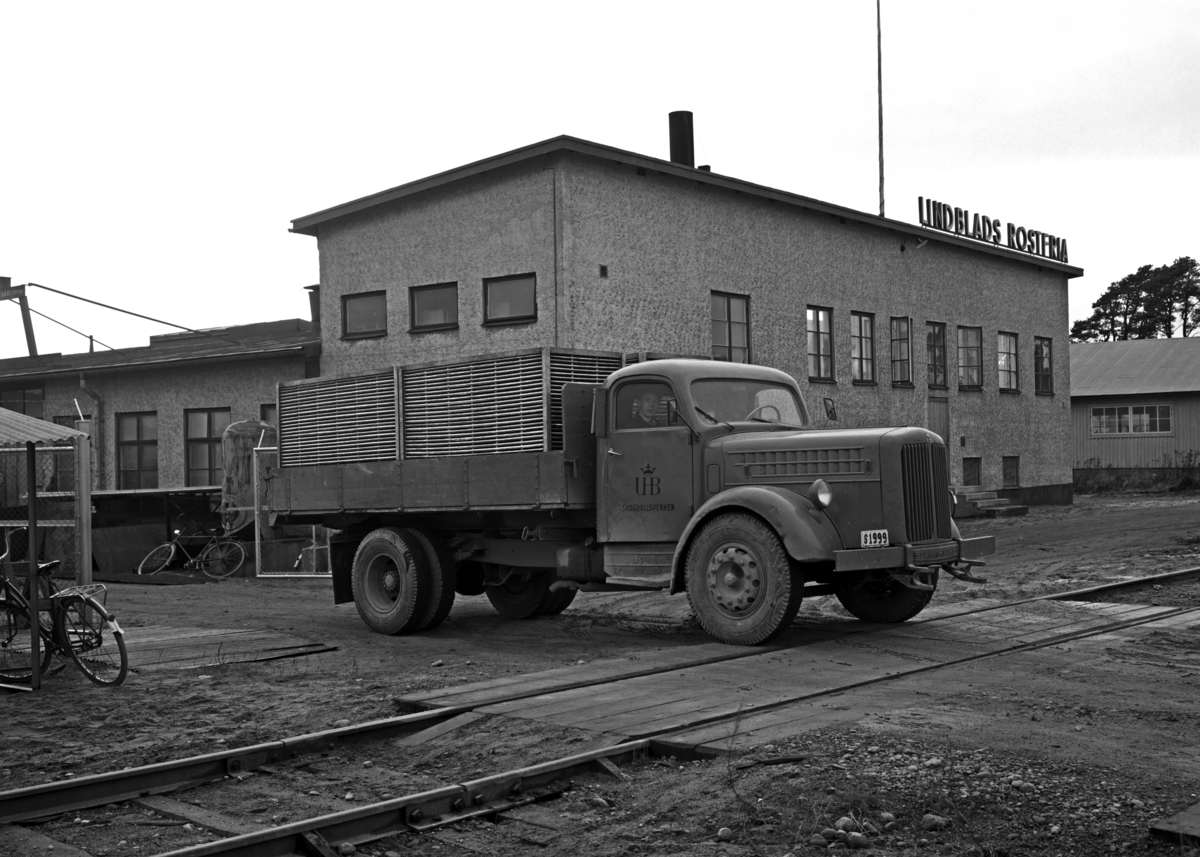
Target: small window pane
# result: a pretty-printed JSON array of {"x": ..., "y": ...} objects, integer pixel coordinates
[
  {"x": 435, "y": 306},
  {"x": 720, "y": 333},
  {"x": 737, "y": 309},
  {"x": 197, "y": 424},
  {"x": 365, "y": 313},
  {"x": 127, "y": 428},
  {"x": 511, "y": 299}
]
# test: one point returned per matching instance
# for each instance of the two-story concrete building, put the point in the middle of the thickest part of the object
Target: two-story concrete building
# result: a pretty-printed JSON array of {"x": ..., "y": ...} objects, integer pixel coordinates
[{"x": 574, "y": 244}]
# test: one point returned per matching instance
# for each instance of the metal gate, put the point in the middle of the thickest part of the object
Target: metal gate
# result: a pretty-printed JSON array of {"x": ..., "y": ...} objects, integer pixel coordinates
[
  {"x": 292, "y": 551},
  {"x": 63, "y": 533}
]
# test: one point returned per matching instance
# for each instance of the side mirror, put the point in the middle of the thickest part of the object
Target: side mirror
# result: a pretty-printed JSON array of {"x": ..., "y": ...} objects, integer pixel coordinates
[
  {"x": 673, "y": 418},
  {"x": 600, "y": 412},
  {"x": 830, "y": 408}
]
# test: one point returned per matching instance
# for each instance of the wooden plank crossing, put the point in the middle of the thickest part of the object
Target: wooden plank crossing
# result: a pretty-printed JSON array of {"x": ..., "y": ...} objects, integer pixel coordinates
[
  {"x": 689, "y": 688},
  {"x": 184, "y": 648}
]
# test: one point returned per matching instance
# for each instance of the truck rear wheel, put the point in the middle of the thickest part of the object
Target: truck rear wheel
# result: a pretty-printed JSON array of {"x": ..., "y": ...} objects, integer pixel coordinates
[
  {"x": 441, "y": 579},
  {"x": 885, "y": 601},
  {"x": 741, "y": 583},
  {"x": 391, "y": 581},
  {"x": 520, "y": 595}
]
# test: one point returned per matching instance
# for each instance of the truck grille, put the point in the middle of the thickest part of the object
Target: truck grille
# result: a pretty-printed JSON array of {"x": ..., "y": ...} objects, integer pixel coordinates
[
  {"x": 339, "y": 419},
  {"x": 926, "y": 491}
]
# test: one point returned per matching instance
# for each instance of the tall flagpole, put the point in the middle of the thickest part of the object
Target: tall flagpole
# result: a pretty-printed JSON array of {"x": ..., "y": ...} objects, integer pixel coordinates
[{"x": 879, "y": 65}]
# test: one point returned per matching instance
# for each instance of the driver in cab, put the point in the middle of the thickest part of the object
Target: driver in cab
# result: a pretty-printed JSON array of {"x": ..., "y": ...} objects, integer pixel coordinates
[{"x": 643, "y": 407}]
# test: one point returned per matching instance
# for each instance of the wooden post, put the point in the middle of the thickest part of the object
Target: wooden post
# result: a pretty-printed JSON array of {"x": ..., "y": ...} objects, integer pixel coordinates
[{"x": 35, "y": 619}]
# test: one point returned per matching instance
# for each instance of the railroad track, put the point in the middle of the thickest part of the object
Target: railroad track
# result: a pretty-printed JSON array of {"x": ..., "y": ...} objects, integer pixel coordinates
[{"x": 424, "y": 809}]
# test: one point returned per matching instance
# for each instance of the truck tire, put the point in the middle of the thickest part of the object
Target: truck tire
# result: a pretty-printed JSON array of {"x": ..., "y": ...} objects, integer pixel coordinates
[
  {"x": 520, "y": 595},
  {"x": 556, "y": 601},
  {"x": 743, "y": 587},
  {"x": 391, "y": 581},
  {"x": 441, "y": 579},
  {"x": 884, "y": 601}
]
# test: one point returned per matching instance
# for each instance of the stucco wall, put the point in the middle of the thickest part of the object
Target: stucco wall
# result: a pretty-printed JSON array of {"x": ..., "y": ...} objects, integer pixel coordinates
[
  {"x": 240, "y": 386},
  {"x": 666, "y": 244},
  {"x": 496, "y": 225}
]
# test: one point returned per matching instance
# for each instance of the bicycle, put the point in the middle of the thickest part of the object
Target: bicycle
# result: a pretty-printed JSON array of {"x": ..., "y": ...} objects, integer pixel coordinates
[
  {"x": 218, "y": 558},
  {"x": 74, "y": 625}
]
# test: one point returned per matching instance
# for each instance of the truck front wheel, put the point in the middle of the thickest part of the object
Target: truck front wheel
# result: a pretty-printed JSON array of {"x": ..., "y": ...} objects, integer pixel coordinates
[
  {"x": 884, "y": 601},
  {"x": 521, "y": 593},
  {"x": 391, "y": 581},
  {"x": 742, "y": 585}
]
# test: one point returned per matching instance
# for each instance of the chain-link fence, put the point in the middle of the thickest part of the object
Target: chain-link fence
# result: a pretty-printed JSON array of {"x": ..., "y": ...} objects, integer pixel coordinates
[{"x": 57, "y": 507}]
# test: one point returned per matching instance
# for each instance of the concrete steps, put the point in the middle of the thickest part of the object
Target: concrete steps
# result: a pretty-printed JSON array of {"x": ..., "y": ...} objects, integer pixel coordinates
[{"x": 973, "y": 502}]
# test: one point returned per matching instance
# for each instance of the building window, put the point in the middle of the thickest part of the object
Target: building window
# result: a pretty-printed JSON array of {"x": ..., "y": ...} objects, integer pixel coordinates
[
  {"x": 862, "y": 347},
  {"x": 1132, "y": 419},
  {"x": 972, "y": 472},
  {"x": 269, "y": 413},
  {"x": 433, "y": 307},
  {"x": 970, "y": 357},
  {"x": 203, "y": 435},
  {"x": 137, "y": 450},
  {"x": 1011, "y": 467},
  {"x": 730, "y": 327},
  {"x": 64, "y": 460},
  {"x": 364, "y": 315},
  {"x": 935, "y": 346},
  {"x": 1043, "y": 365},
  {"x": 30, "y": 401},
  {"x": 1006, "y": 348},
  {"x": 901, "y": 352},
  {"x": 507, "y": 300},
  {"x": 820, "y": 344}
]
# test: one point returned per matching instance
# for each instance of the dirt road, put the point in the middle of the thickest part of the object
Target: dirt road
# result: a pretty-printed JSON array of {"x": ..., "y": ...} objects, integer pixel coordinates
[{"x": 1104, "y": 731}]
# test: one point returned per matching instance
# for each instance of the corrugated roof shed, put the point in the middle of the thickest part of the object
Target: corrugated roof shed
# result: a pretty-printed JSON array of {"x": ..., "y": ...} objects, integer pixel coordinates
[
  {"x": 1135, "y": 366},
  {"x": 18, "y": 430}
]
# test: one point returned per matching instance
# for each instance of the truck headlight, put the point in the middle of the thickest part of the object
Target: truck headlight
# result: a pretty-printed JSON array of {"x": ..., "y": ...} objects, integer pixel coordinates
[{"x": 820, "y": 493}]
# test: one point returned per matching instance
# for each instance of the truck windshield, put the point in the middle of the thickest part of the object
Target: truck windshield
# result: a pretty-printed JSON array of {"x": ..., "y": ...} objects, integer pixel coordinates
[{"x": 734, "y": 400}]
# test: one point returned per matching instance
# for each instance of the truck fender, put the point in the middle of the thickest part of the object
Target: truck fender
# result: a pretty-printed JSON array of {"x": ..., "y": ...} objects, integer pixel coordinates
[{"x": 806, "y": 531}]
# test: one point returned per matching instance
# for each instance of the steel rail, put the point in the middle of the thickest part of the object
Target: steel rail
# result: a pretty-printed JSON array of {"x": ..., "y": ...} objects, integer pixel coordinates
[
  {"x": 78, "y": 793},
  {"x": 426, "y": 810},
  {"x": 418, "y": 811}
]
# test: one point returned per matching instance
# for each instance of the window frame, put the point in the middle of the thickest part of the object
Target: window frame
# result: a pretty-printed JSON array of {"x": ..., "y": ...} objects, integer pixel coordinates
[
  {"x": 965, "y": 352},
  {"x": 728, "y": 322},
  {"x": 374, "y": 333},
  {"x": 977, "y": 464},
  {"x": 1015, "y": 462},
  {"x": 1128, "y": 418},
  {"x": 1043, "y": 381},
  {"x": 862, "y": 364},
  {"x": 31, "y": 406},
  {"x": 488, "y": 321},
  {"x": 413, "y": 292},
  {"x": 140, "y": 443},
  {"x": 827, "y": 336},
  {"x": 931, "y": 362},
  {"x": 216, "y": 467},
  {"x": 906, "y": 361},
  {"x": 1015, "y": 371}
]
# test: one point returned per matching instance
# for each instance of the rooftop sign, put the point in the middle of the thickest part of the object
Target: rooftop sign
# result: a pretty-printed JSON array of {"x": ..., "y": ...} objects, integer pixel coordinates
[{"x": 960, "y": 221}]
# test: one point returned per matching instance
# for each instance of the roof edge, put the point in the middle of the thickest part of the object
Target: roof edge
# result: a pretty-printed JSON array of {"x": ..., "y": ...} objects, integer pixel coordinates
[{"x": 310, "y": 223}]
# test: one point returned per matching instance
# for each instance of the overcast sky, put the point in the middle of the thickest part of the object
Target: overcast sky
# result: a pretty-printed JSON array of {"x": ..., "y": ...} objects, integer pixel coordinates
[{"x": 153, "y": 155}]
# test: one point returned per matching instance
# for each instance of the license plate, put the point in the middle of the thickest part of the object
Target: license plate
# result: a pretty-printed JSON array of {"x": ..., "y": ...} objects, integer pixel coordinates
[
  {"x": 874, "y": 538},
  {"x": 936, "y": 554}
]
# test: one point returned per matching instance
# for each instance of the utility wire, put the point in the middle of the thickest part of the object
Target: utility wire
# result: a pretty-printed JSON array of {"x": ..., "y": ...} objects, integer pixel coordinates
[
  {"x": 73, "y": 330},
  {"x": 137, "y": 314}
]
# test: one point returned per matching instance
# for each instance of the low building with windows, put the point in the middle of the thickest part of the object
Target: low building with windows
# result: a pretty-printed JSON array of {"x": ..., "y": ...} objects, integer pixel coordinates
[
  {"x": 568, "y": 243},
  {"x": 157, "y": 412},
  {"x": 1135, "y": 404}
]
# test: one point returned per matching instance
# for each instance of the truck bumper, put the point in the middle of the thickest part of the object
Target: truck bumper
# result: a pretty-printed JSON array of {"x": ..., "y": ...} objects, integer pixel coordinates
[{"x": 921, "y": 556}]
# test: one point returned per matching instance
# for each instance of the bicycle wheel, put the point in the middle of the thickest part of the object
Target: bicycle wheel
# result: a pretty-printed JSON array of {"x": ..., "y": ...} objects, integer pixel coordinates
[
  {"x": 94, "y": 639},
  {"x": 16, "y": 645},
  {"x": 223, "y": 558},
  {"x": 157, "y": 559}
]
